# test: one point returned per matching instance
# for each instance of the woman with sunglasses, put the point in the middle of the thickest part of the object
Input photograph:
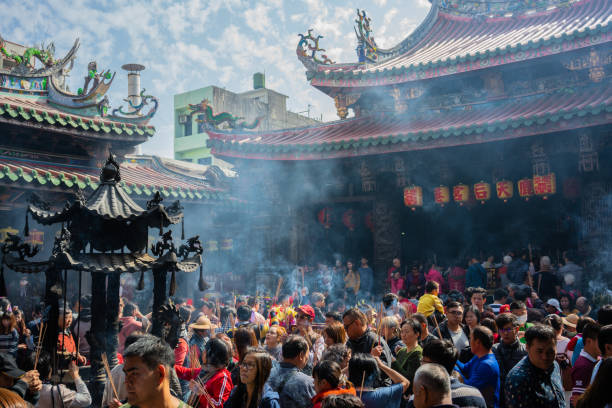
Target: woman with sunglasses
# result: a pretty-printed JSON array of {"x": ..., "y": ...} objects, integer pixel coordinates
[
  {"x": 316, "y": 343},
  {"x": 253, "y": 391}
]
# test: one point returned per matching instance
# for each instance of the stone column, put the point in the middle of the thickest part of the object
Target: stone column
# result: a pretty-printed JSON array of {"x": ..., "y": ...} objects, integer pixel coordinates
[
  {"x": 387, "y": 243},
  {"x": 159, "y": 297}
]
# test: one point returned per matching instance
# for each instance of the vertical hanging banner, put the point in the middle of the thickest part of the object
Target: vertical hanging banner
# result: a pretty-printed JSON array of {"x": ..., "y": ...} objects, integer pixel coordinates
[
  {"x": 505, "y": 190},
  {"x": 545, "y": 185},
  {"x": 482, "y": 191},
  {"x": 461, "y": 193},
  {"x": 525, "y": 188},
  {"x": 413, "y": 197},
  {"x": 441, "y": 195}
]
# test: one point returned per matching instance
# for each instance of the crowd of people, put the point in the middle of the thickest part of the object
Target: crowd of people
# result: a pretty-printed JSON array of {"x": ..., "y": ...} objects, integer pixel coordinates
[{"x": 422, "y": 337}]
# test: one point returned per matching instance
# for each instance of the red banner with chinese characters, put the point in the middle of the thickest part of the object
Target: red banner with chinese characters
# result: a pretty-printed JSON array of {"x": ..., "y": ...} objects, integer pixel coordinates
[
  {"x": 413, "y": 197},
  {"x": 441, "y": 195},
  {"x": 482, "y": 191},
  {"x": 545, "y": 185},
  {"x": 525, "y": 188},
  {"x": 461, "y": 193},
  {"x": 325, "y": 218},
  {"x": 505, "y": 190}
]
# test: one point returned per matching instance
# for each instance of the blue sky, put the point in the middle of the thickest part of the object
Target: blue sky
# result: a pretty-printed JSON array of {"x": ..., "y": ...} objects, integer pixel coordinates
[{"x": 190, "y": 44}]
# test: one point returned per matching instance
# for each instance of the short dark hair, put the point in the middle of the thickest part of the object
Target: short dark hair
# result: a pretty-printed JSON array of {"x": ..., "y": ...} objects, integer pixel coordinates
[
  {"x": 484, "y": 335},
  {"x": 336, "y": 352},
  {"x": 129, "y": 308},
  {"x": 453, "y": 304},
  {"x": 334, "y": 315},
  {"x": 360, "y": 363},
  {"x": 152, "y": 350},
  {"x": 604, "y": 315},
  {"x": 517, "y": 304},
  {"x": 329, "y": 371},
  {"x": 442, "y": 352},
  {"x": 540, "y": 332},
  {"x": 217, "y": 352},
  {"x": 506, "y": 318},
  {"x": 414, "y": 324},
  {"x": 244, "y": 313},
  {"x": 342, "y": 401},
  {"x": 500, "y": 293},
  {"x": 419, "y": 317},
  {"x": 604, "y": 337},
  {"x": 294, "y": 346},
  {"x": 583, "y": 321},
  {"x": 591, "y": 331},
  {"x": 554, "y": 321},
  {"x": 430, "y": 286},
  {"x": 388, "y": 299},
  {"x": 131, "y": 339},
  {"x": 490, "y": 323},
  {"x": 356, "y": 314}
]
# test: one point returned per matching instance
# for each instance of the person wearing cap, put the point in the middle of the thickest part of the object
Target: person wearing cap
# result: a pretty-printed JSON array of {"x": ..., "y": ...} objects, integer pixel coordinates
[
  {"x": 570, "y": 322},
  {"x": 553, "y": 307},
  {"x": 305, "y": 317},
  {"x": 201, "y": 334},
  {"x": 26, "y": 384}
]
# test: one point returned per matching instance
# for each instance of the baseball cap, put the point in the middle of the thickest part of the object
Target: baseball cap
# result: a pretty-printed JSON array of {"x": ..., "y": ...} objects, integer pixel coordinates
[{"x": 307, "y": 310}]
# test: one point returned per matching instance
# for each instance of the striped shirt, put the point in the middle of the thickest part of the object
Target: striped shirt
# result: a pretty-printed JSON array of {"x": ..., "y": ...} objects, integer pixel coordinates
[{"x": 9, "y": 342}]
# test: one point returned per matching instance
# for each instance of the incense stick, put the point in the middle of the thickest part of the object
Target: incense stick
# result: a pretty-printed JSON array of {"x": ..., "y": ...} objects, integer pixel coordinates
[
  {"x": 280, "y": 282},
  {"x": 380, "y": 315},
  {"x": 437, "y": 327},
  {"x": 108, "y": 374},
  {"x": 41, "y": 334},
  {"x": 362, "y": 381}
]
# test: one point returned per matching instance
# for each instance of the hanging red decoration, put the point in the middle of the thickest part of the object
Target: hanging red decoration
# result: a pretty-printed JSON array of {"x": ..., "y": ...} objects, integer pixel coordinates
[
  {"x": 369, "y": 221},
  {"x": 441, "y": 195},
  {"x": 413, "y": 197},
  {"x": 505, "y": 190},
  {"x": 525, "y": 188},
  {"x": 348, "y": 220},
  {"x": 325, "y": 218},
  {"x": 545, "y": 185},
  {"x": 482, "y": 191},
  {"x": 461, "y": 193}
]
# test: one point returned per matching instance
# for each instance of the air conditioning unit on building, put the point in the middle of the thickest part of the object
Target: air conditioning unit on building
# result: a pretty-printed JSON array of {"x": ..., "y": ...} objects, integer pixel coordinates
[{"x": 183, "y": 119}]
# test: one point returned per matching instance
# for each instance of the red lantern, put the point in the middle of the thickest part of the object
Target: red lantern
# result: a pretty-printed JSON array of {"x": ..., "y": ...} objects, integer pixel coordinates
[
  {"x": 369, "y": 221},
  {"x": 525, "y": 188},
  {"x": 347, "y": 220},
  {"x": 325, "y": 217},
  {"x": 461, "y": 193},
  {"x": 413, "y": 197},
  {"x": 441, "y": 195},
  {"x": 505, "y": 190},
  {"x": 482, "y": 191},
  {"x": 545, "y": 185}
]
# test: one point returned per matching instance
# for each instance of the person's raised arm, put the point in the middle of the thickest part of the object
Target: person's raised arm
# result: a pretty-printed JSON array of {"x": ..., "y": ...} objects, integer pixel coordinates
[{"x": 396, "y": 377}]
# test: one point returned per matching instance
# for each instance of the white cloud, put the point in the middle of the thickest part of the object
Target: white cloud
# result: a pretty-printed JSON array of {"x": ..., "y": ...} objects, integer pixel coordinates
[{"x": 257, "y": 19}]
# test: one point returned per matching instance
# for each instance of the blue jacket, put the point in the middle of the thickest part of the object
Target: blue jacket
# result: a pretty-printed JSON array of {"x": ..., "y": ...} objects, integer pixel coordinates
[
  {"x": 483, "y": 373},
  {"x": 295, "y": 389},
  {"x": 476, "y": 276}
]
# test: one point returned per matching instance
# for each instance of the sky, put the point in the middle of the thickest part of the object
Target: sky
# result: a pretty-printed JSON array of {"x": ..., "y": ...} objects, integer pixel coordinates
[{"x": 191, "y": 44}]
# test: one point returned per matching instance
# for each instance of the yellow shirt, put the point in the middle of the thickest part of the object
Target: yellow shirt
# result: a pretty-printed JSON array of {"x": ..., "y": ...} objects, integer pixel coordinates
[{"x": 428, "y": 303}]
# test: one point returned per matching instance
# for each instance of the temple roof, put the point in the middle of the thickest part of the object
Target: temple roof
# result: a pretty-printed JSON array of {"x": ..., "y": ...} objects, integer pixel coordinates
[
  {"x": 35, "y": 110},
  {"x": 459, "y": 36},
  {"x": 383, "y": 133},
  {"x": 139, "y": 179}
]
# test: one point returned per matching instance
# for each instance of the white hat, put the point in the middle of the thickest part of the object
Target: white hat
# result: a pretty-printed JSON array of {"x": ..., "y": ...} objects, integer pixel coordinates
[
  {"x": 507, "y": 259},
  {"x": 545, "y": 261},
  {"x": 555, "y": 303}
]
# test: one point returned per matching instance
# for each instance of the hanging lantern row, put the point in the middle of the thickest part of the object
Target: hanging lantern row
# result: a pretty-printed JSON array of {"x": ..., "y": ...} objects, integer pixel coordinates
[{"x": 542, "y": 186}]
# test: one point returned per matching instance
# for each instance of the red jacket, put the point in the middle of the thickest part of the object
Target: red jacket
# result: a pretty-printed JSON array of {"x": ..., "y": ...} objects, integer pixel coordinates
[
  {"x": 317, "y": 400},
  {"x": 218, "y": 386}
]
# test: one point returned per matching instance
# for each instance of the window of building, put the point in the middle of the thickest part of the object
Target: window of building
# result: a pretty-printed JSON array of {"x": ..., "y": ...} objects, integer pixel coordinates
[
  {"x": 205, "y": 160},
  {"x": 188, "y": 127}
]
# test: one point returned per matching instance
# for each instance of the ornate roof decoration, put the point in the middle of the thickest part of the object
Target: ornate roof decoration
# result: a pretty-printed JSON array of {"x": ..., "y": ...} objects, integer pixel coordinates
[
  {"x": 376, "y": 134},
  {"x": 135, "y": 113},
  {"x": 448, "y": 43},
  {"x": 215, "y": 121},
  {"x": 44, "y": 54},
  {"x": 367, "y": 50},
  {"x": 309, "y": 52}
]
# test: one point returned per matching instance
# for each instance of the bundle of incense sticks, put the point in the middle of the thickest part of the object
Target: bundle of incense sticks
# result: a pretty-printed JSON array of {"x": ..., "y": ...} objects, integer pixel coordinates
[
  {"x": 41, "y": 334},
  {"x": 198, "y": 389},
  {"x": 278, "y": 287},
  {"x": 380, "y": 317},
  {"x": 362, "y": 381},
  {"x": 108, "y": 374},
  {"x": 194, "y": 361}
]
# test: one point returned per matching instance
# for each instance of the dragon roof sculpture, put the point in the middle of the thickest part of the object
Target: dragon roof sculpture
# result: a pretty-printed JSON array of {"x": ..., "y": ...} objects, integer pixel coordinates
[
  {"x": 44, "y": 54},
  {"x": 210, "y": 119}
]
